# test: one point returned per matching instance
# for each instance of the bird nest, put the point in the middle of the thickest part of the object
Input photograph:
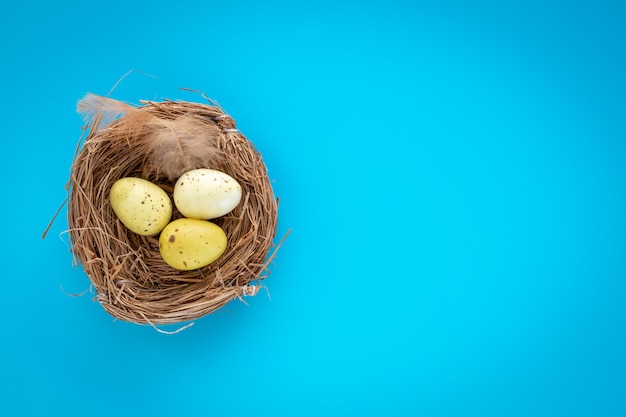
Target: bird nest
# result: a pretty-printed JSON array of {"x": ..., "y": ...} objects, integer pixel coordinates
[{"x": 159, "y": 141}]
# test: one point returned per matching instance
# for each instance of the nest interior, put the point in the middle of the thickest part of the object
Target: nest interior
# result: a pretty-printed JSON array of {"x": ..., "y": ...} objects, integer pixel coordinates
[{"x": 159, "y": 141}]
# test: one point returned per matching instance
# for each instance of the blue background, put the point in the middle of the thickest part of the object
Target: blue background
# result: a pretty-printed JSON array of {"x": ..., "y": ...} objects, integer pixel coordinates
[{"x": 453, "y": 173}]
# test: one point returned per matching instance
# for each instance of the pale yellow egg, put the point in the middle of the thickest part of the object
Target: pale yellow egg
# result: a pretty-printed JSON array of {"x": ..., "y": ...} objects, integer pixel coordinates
[
  {"x": 142, "y": 206},
  {"x": 206, "y": 193},
  {"x": 188, "y": 244}
]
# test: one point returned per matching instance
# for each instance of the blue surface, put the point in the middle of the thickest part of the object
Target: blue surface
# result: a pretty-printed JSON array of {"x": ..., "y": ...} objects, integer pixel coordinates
[{"x": 453, "y": 172}]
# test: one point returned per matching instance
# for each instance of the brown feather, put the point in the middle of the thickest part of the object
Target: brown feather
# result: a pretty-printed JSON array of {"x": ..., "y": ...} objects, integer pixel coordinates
[
  {"x": 107, "y": 108},
  {"x": 177, "y": 146},
  {"x": 172, "y": 146}
]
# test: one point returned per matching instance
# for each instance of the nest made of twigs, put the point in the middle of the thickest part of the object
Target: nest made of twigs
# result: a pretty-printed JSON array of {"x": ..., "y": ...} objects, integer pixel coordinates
[{"x": 159, "y": 141}]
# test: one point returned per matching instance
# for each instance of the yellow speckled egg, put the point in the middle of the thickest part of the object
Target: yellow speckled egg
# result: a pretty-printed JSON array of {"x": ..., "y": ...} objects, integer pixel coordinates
[
  {"x": 206, "y": 193},
  {"x": 140, "y": 205},
  {"x": 188, "y": 244}
]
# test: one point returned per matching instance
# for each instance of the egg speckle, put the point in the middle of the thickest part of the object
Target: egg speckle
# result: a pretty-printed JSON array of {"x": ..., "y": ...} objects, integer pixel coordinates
[
  {"x": 141, "y": 206},
  {"x": 206, "y": 194}
]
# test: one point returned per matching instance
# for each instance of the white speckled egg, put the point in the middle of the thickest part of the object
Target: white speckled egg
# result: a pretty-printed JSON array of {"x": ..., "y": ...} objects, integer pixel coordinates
[
  {"x": 188, "y": 244},
  {"x": 141, "y": 206},
  {"x": 206, "y": 194}
]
